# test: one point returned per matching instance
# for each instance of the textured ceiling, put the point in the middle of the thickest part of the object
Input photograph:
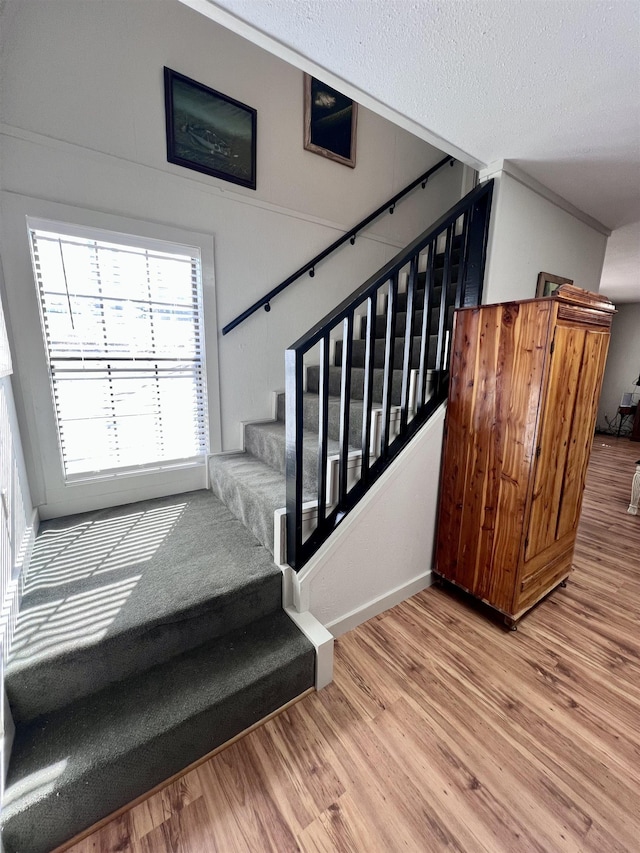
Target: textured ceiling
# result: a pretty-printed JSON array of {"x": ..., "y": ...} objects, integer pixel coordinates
[{"x": 552, "y": 85}]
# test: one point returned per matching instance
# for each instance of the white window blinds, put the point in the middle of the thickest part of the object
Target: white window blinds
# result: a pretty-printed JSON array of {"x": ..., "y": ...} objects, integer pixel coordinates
[{"x": 122, "y": 324}]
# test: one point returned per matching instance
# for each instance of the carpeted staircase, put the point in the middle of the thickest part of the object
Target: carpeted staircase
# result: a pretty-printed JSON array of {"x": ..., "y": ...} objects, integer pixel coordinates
[
  {"x": 149, "y": 635},
  {"x": 251, "y": 481}
]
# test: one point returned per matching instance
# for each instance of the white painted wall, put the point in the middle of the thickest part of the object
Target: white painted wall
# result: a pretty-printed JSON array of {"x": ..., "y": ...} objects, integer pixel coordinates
[
  {"x": 530, "y": 234},
  {"x": 623, "y": 361},
  {"x": 18, "y": 524},
  {"x": 383, "y": 551},
  {"x": 18, "y": 521},
  {"x": 82, "y": 111}
]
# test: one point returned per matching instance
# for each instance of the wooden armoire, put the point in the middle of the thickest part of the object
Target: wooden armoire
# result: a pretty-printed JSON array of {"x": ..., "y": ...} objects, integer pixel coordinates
[{"x": 524, "y": 389}]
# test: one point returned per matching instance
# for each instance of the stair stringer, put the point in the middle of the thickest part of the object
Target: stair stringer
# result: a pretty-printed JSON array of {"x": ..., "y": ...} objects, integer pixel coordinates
[{"x": 383, "y": 550}]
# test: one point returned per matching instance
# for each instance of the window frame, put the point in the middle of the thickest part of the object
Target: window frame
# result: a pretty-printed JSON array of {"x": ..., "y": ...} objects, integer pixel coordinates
[
  {"x": 50, "y": 493},
  {"x": 105, "y": 238}
]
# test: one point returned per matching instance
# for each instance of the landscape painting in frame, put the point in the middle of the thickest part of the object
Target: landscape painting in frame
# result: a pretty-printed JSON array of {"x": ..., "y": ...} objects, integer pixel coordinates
[
  {"x": 330, "y": 121},
  {"x": 208, "y": 131}
]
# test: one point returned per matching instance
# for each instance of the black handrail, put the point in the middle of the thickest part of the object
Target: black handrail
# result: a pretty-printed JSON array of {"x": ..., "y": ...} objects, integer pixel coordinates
[
  {"x": 351, "y": 235},
  {"x": 464, "y": 232}
]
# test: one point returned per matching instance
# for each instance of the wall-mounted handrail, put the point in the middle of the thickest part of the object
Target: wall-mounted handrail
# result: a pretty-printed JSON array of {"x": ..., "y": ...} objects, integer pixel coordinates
[
  {"x": 351, "y": 235},
  {"x": 406, "y": 361}
]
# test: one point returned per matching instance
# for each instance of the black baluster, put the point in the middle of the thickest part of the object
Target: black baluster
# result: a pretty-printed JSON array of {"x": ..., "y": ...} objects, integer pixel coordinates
[
  {"x": 387, "y": 387},
  {"x": 323, "y": 427},
  {"x": 478, "y": 235},
  {"x": 425, "y": 333},
  {"x": 442, "y": 319},
  {"x": 462, "y": 263},
  {"x": 408, "y": 343},
  {"x": 367, "y": 396},
  {"x": 345, "y": 403},
  {"x": 293, "y": 362}
]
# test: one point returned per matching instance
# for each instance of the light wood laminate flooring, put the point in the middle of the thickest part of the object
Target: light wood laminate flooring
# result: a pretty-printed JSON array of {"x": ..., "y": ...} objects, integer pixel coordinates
[{"x": 442, "y": 731}]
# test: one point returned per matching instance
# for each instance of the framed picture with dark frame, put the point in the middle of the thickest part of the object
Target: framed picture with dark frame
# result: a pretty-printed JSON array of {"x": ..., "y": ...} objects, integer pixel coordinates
[
  {"x": 208, "y": 131},
  {"x": 548, "y": 283},
  {"x": 330, "y": 122}
]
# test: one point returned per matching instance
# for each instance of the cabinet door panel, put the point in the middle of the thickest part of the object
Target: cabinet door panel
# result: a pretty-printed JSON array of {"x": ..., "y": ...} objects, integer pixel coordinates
[
  {"x": 584, "y": 421},
  {"x": 554, "y": 437},
  {"x": 565, "y": 435}
]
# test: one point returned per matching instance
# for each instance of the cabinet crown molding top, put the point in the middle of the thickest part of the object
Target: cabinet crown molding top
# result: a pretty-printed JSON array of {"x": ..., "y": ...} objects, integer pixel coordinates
[{"x": 586, "y": 298}]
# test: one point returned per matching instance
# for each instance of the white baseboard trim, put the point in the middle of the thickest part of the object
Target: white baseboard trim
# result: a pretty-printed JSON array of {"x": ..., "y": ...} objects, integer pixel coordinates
[
  {"x": 379, "y": 605},
  {"x": 322, "y": 641}
]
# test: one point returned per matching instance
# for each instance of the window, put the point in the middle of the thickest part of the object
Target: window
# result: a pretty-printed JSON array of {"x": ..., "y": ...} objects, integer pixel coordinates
[{"x": 123, "y": 329}]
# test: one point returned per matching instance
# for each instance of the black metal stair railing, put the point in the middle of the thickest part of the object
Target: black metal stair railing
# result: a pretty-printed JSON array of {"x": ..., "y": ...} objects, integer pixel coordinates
[
  {"x": 350, "y": 235},
  {"x": 374, "y": 408}
]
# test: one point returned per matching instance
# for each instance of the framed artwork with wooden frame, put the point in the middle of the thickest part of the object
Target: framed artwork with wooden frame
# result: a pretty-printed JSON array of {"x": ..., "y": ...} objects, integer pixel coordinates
[
  {"x": 330, "y": 122},
  {"x": 548, "y": 283},
  {"x": 208, "y": 131}
]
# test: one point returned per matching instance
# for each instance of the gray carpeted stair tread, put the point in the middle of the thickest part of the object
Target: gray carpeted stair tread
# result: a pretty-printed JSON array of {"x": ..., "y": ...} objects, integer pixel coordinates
[
  {"x": 357, "y": 382},
  {"x": 358, "y": 351},
  {"x": 267, "y": 442},
  {"x": 401, "y": 320},
  {"x": 310, "y": 407},
  {"x": 77, "y": 765},
  {"x": 401, "y": 298},
  {"x": 112, "y": 592},
  {"x": 251, "y": 489}
]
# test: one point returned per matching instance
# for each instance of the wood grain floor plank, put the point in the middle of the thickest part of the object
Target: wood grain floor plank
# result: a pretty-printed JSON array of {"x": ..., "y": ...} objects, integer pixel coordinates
[
  {"x": 184, "y": 832},
  {"x": 297, "y": 764},
  {"x": 243, "y": 815},
  {"x": 442, "y": 731},
  {"x": 154, "y": 811}
]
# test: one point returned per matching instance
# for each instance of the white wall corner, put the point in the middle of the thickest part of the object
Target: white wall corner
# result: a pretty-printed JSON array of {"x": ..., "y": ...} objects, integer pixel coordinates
[
  {"x": 470, "y": 179},
  {"x": 322, "y": 641},
  {"x": 508, "y": 167},
  {"x": 533, "y": 231}
]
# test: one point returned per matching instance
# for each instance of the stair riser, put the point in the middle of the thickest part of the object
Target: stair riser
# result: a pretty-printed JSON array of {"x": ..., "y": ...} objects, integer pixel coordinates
[
  {"x": 358, "y": 352},
  {"x": 270, "y": 449},
  {"x": 401, "y": 323},
  {"x": 401, "y": 298},
  {"x": 104, "y": 598},
  {"x": 98, "y": 790},
  {"x": 255, "y": 512},
  {"x": 357, "y": 380},
  {"x": 53, "y": 684},
  {"x": 310, "y": 418}
]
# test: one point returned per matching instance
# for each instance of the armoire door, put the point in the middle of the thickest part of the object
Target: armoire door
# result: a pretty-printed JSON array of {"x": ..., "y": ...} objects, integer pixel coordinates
[{"x": 564, "y": 442}]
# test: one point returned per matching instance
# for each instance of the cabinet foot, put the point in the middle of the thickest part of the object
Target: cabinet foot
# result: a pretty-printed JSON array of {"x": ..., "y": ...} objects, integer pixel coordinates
[
  {"x": 563, "y": 584},
  {"x": 511, "y": 625}
]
